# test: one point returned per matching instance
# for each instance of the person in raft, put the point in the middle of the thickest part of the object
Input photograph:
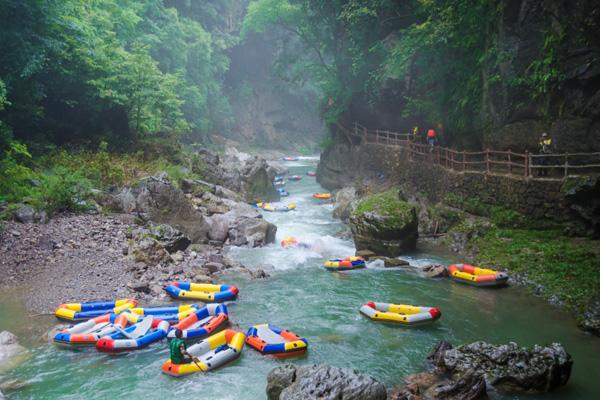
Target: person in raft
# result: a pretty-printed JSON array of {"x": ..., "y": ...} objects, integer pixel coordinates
[
  {"x": 431, "y": 137},
  {"x": 179, "y": 353}
]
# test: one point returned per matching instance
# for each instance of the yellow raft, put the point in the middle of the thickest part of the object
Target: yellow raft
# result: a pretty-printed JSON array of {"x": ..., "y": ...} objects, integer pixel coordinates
[
  {"x": 201, "y": 291},
  {"x": 92, "y": 309},
  {"x": 210, "y": 353},
  {"x": 400, "y": 313}
]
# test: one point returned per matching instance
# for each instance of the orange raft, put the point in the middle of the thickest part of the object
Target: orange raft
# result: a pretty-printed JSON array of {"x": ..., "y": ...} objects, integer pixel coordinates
[
  {"x": 475, "y": 276},
  {"x": 274, "y": 341},
  {"x": 322, "y": 196}
]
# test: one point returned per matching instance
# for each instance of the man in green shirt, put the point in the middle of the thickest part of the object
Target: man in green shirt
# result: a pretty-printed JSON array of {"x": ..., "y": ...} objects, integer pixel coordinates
[{"x": 179, "y": 354}]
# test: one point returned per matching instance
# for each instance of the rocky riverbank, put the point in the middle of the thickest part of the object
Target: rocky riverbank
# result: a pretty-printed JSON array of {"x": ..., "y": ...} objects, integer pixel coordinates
[{"x": 159, "y": 231}]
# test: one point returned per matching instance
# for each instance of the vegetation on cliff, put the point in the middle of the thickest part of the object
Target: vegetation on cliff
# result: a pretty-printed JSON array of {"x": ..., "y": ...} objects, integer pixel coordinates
[{"x": 388, "y": 205}]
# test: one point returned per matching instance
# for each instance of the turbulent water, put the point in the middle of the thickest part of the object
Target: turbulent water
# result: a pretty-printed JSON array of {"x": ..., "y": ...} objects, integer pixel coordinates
[{"x": 321, "y": 306}]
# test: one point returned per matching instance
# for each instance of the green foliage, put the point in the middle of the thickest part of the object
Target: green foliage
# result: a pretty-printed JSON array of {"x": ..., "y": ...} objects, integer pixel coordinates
[
  {"x": 62, "y": 190},
  {"x": 15, "y": 176},
  {"x": 387, "y": 204},
  {"x": 499, "y": 216},
  {"x": 565, "y": 267},
  {"x": 326, "y": 142}
]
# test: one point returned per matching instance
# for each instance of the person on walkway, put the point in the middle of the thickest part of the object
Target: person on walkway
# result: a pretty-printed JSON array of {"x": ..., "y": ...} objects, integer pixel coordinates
[
  {"x": 415, "y": 133},
  {"x": 431, "y": 137},
  {"x": 545, "y": 147},
  {"x": 179, "y": 353}
]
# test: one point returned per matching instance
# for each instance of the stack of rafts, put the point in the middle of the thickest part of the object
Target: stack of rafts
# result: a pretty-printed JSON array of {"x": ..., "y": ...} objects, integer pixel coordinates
[{"x": 121, "y": 326}]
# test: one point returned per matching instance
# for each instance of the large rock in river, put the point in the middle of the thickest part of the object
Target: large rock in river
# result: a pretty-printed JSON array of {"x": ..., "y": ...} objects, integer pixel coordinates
[
  {"x": 162, "y": 202},
  {"x": 384, "y": 224},
  {"x": 507, "y": 367},
  {"x": 322, "y": 382},
  {"x": 344, "y": 203},
  {"x": 11, "y": 352}
]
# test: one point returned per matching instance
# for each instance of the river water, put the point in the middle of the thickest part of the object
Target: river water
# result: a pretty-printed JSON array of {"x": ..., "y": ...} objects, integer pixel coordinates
[{"x": 319, "y": 305}]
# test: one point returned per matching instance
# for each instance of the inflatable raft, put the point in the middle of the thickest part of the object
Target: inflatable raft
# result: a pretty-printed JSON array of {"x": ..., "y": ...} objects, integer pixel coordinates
[
  {"x": 290, "y": 158},
  {"x": 171, "y": 314},
  {"x": 279, "y": 184},
  {"x": 311, "y": 173},
  {"x": 345, "y": 264},
  {"x": 92, "y": 309},
  {"x": 295, "y": 178},
  {"x": 270, "y": 207},
  {"x": 283, "y": 192},
  {"x": 322, "y": 196},
  {"x": 202, "y": 291},
  {"x": 477, "y": 276},
  {"x": 210, "y": 353},
  {"x": 400, "y": 313},
  {"x": 87, "y": 333},
  {"x": 202, "y": 322},
  {"x": 137, "y": 336},
  {"x": 274, "y": 341}
]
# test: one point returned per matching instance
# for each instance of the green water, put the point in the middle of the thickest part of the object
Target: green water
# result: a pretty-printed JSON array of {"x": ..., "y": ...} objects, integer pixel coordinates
[{"x": 321, "y": 306}]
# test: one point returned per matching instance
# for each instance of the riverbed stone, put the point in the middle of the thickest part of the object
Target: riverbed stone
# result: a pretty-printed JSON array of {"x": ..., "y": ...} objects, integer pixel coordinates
[
  {"x": 344, "y": 203},
  {"x": 384, "y": 224},
  {"x": 10, "y": 350},
  {"x": 433, "y": 271},
  {"x": 507, "y": 367},
  {"x": 322, "y": 382},
  {"x": 391, "y": 262}
]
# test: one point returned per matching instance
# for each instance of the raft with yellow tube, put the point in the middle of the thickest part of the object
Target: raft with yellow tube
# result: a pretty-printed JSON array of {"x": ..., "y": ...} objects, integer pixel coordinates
[
  {"x": 400, "y": 313},
  {"x": 145, "y": 332},
  {"x": 210, "y": 353},
  {"x": 92, "y": 309},
  {"x": 272, "y": 208},
  {"x": 201, "y": 291},
  {"x": 345, "y": 264},
  {"x": 202, "y": 322},
  {"x": 322, "y": 196},
  {"x": 276, "y": 342},
  {"x": 171, "y": 314},
  {"x": 475, "y": 276},
  {"x": 87, "y": 333}
]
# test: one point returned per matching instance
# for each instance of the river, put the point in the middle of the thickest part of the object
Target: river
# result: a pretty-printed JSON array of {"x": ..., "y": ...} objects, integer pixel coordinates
[{"x": 321, "y": 306}]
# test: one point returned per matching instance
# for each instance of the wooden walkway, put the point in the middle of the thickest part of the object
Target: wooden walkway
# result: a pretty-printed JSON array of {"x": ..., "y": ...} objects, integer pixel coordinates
[{"x": 524, "y": 165}]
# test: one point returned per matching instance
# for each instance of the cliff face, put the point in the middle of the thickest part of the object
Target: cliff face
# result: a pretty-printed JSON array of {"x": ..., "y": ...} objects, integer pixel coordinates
[
  {"x": 545, "y": 77},
  {"x": 268, "y": 111},
  {"x": 526, "y": 33}
]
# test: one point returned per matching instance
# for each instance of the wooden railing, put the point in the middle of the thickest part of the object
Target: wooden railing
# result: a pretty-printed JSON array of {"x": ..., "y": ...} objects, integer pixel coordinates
[{"x": 535, "y": 166}]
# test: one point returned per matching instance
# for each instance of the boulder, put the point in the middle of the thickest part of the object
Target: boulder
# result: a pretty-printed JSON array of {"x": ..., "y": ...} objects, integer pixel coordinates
[
  {"x": 394, "y": 262},
  {"x": 590, "y": 321},
  {"x": 344, "y": 203},
  {"x": 24, "y": 214},
  {"x": 162, "y": 202},
  {"x": 507, "y": 367},
  {"x": 168, "y": 237},
  {"x": 324, "y": 382},
  {"x": 149, "y": 251},
  {"x": 469, "y": 386},
  {"x": 384, "y": 224},
  {"x": 11, "y": 352},
  {"x": 365, "y": 253},
  {"x": 252, "y": 232},
  {"x": 433, "y": 271}
]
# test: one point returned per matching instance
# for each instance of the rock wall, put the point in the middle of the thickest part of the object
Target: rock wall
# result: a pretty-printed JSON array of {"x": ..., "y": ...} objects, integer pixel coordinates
[{"x": 559, "y": 201}]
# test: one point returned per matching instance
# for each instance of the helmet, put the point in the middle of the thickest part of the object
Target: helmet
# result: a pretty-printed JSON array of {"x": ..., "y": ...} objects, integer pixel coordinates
[{"x": 544, "y": 134}]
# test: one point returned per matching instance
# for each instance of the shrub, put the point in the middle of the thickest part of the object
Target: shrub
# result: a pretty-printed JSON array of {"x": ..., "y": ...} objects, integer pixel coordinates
[{"x": 62, "y": 190}]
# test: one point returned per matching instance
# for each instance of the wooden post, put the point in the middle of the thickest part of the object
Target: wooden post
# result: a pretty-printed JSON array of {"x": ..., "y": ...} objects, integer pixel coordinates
[
  {"x": 487, "y": 161},
  {"x": 355, "y": 128},
  {"x": 566, "y": 164},
  {"x": 509, "y": 163},
  {"x": 438, "y": 154},
  {"x": 527, "y": 164},
  {"x": 464, "y": 165},
  {"x": 452, "y": 160}
]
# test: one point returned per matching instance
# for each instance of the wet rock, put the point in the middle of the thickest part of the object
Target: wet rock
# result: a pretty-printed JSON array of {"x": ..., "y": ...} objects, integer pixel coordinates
[
  {"x": 384, "y": 224},
  {"x": 394, "y": 262},
  {"x": 258, "y": 274},
  {"x": 508, "y": 367},
  {"x": 322, "y": 382},
  {"x": 252, "y": 232},
  {"x": 12, "y": 385},
  {"x": 10, "y": 350},
  {"x": 170, "y": 238},
  {"x": 213, "y": 267},
  {"x": 414, "y": 387},
  {"x": 469, "y": 386},
  {"x": 590, "y": 321},
  {"x": 433, "y": 271},
  {"x": 344, "y": 203},
  {"x": 365, "y": 253}
]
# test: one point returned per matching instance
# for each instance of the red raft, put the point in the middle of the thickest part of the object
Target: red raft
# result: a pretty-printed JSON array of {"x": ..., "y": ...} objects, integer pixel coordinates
[{"x": 475, "y": 276}]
